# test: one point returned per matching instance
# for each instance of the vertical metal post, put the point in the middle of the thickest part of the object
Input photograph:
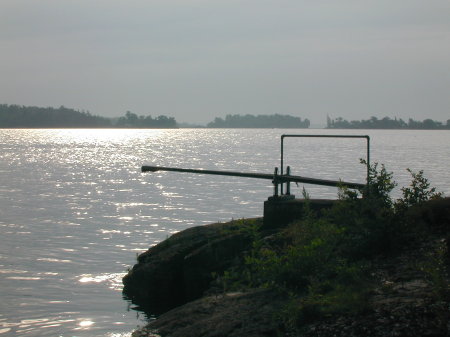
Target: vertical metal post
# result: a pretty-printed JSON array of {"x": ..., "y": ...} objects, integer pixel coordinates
[
  {"x": 368, "y": 160},
  {"x": 282, "y": 140},
  {"x": 288, "y": 184},
  {"x": 275, "y": 182}
]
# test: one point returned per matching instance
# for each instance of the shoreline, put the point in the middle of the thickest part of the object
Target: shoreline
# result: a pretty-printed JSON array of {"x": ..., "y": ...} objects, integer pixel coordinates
[{"x": 182, "y": 271}]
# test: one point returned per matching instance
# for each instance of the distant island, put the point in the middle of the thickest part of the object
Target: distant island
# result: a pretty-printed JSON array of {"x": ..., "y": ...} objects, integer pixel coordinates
[
  {"x": 16, "y": 116},
  {"x": 132, "y": 120},
  {"x": 259, "y": 121},
  {"x": 386, "y": 123}
]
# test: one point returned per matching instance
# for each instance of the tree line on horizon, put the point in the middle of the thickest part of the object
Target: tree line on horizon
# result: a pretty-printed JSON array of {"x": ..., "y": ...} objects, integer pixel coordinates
[
  {"x": 386, "y": 123},
  {"x": 259, "y": 121},
  {"x": 131, "y": 120},
  {"x": 16, "y": 116}
]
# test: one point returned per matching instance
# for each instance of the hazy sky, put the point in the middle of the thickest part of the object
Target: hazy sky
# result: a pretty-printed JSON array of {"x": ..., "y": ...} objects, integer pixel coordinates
[{"x": 196, "y": 60}]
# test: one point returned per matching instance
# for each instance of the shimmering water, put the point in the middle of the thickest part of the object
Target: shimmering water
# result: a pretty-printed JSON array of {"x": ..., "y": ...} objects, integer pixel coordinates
[{"x": 75, "y": 209}]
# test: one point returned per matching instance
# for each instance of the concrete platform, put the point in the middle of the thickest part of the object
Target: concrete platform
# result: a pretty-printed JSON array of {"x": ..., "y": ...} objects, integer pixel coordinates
[{"x": 282, "y": 210}]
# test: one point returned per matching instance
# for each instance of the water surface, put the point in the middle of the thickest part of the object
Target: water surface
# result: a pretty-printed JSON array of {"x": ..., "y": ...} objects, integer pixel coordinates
[{"x": 75, "y": 208}]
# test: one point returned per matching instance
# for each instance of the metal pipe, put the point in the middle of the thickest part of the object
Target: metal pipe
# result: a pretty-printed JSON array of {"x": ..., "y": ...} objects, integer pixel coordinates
[
  {"x": 213, "y": 172},
  {"x": 276, "y": 178}
]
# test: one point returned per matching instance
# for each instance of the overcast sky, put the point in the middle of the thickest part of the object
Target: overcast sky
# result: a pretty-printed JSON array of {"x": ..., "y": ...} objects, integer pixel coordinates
[{"x": 196, "y": 60}]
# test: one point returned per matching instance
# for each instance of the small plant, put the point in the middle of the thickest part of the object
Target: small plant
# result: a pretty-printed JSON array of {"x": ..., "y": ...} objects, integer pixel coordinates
[
  {"x": 418, "y": 191},
  {"x": 305, "y": 194},
  {"x": 244, "y": 226},
  {"x": 380, "y": 184}
]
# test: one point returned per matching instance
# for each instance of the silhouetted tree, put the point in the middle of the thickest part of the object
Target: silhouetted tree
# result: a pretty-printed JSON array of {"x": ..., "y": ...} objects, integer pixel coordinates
[
  {"x": 260, "y": 121},
  {"x": 385, "y": 123},
  {"x": 15, "y": 116},
  {"x": 131, "y": 120}
]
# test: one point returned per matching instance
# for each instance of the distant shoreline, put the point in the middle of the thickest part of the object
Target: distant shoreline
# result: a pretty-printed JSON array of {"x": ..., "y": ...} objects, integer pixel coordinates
[
  {"x": 200, "y": 127},
  {"x": 32, "y": 117},
  {"x": 387, "y": 123}
]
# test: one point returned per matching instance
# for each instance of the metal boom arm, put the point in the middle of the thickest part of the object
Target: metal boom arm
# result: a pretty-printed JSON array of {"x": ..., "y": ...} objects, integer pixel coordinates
[{"x": 276, "y": 179}]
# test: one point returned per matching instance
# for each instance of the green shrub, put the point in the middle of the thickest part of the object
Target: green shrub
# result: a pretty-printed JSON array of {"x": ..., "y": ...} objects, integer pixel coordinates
[
  {"x": 380, "y": 185},
  {"x": 322, "y": 262},
  {"x": 417, "y": 192},
  {"x": 368, "y": 221}
]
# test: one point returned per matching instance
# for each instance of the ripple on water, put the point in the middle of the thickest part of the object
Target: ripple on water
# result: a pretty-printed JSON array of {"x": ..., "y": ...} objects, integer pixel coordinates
[
  {"x": 75, "y": 208},
  {"x": 112, "y": 281}
]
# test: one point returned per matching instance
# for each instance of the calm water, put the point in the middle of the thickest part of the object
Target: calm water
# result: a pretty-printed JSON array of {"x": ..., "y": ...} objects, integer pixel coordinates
[{"x": 75, "y": 209}]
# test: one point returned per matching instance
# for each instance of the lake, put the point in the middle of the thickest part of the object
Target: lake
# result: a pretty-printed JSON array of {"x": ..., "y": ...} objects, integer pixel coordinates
[{"x": 75, "y": 210}]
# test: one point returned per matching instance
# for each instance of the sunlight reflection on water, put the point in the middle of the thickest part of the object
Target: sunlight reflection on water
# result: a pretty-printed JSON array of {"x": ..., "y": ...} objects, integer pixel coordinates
[{"x": 75, "y": 208}]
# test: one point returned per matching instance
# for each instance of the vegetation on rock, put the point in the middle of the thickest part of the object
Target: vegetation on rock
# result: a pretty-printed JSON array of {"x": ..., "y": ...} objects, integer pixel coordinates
[
  {"x": 324, "y": 263},
  {"x": 367, "y": 266}
]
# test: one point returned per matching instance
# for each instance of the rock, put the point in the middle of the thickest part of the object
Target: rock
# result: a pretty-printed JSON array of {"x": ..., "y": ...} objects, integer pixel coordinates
[
  {"x": 433, "y": 214},
  {"x": 215, "y": 256},
  {"x": 181, "y": 268},
  {"x": 410, "y": 292},
  {"x": 247, "y": 314}
]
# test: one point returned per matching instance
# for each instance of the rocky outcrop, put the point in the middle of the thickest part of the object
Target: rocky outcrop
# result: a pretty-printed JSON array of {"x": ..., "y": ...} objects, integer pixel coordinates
[
  {"x": 405, "y": 302},
  {"x": 247, "y": 314},
  {"x": 181, "y": 268},
  {"x": 434, "y": 215},
  {"x": 410, "y": 296}
]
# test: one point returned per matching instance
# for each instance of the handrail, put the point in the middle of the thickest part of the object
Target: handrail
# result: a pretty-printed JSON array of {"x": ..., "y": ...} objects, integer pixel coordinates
[
  {"x": 325, "y": 136},
  {"x": 280, "y": 179}
]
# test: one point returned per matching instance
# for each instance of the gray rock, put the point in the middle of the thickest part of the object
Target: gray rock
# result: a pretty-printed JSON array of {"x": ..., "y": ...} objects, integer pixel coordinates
[
  {"x": 181, "y": 268},
  {"x": 249, "y": 314}
]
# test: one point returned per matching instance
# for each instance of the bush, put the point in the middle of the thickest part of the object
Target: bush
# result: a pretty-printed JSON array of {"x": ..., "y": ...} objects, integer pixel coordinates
[
  {"x": 380, "y": 185},
  {"x": 323, "y": 263},
  {"x": 418, "y": 191}
]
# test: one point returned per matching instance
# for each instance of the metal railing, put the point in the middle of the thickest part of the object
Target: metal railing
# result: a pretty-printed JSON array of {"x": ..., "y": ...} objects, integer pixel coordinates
[
  {"x": 323, "y": 136},
  {"x": 278, "y": 179}
]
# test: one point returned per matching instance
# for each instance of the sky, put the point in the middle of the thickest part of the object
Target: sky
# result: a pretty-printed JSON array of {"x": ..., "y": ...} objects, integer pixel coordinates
[{"x": 196, "y": 60}]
